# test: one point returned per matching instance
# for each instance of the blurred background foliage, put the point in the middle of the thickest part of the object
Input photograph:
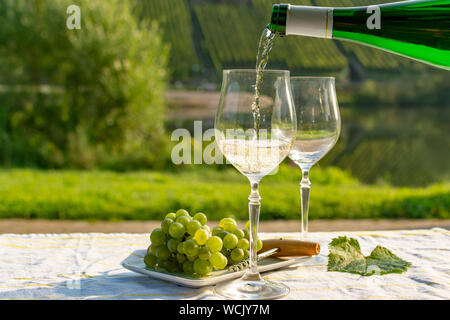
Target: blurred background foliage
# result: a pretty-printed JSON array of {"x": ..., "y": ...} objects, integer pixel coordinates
[
  {"x": 102, "y": 98},
  {"x": 80, "y": 98}
]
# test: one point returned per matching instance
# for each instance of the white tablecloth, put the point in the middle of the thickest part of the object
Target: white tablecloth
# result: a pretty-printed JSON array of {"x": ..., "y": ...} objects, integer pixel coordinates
[{"x": 87, "y": 266}]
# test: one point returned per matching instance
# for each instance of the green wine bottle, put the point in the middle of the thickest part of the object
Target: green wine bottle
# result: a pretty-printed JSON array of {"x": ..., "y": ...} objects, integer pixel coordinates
[{"x": 416, "y": 29}]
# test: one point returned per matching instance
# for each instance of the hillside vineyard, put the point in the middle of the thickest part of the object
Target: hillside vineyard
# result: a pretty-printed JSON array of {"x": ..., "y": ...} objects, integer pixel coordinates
[{"x": 220, "y": 35}]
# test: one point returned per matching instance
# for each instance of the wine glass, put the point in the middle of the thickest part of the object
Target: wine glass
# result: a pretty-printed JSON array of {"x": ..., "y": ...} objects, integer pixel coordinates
[
  {"x": 255, "y": 128},
  {"x": 318, "y": 129}
]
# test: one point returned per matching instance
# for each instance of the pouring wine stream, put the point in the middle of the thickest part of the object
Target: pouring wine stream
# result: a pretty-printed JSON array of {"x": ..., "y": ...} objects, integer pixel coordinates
[{"x": 265, "y": 45}]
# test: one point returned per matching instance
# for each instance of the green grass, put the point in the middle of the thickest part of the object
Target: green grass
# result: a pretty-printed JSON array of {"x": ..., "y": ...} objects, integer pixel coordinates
[{"x": 146, "y": 195}]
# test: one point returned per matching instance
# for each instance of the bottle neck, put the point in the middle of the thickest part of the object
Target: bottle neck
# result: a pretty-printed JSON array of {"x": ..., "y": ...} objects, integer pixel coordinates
[
  {"x": 418, "y": 29},
  {"x": 321, "y": 22},
  {"x": 278, "y": 20},
  {"x": 302, "y": 20}
]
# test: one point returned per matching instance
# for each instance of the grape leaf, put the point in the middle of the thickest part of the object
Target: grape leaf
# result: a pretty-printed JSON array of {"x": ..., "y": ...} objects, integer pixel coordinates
[{"x": 346, "y": 256}]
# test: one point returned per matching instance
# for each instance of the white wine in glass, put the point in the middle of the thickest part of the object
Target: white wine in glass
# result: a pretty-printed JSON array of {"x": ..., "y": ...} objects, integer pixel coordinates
[
  {"x": 318, "y": 129},
  {"x": 255, "y": 157},
  {"x": 254, "y": 148}
]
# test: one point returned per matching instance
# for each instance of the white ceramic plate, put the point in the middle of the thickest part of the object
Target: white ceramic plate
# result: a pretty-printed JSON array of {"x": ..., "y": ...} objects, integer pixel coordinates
[{"x": 135, "y": 262}]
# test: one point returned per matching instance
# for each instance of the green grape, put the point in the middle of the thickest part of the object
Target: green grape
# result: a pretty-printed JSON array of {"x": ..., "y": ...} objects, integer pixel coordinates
[
  {"x": 216, "y": 230},
  {"x": 184, "y": 220},
  {"x": 218, "y": 261},
  {"x": 229, "y": 260},
  {"x": 150, "y": 260},
  {"x": 171, "y": 215},
  {"x": 239, "y": 233},
  {"x": 201, "y": 217},
  {"x": 230, "y": 241},
  {"x": 228, "y": 224},
  {"x": 172, "y": 245},
  {"x": 246, "y": 234},
  {"x": 163, "y": 263},
  {"x": 193, "y": 226},
  {"x": 157, "y": 236},
  {"x": 247, "y": 225},
  {"x": 222, "y": 234},
  {"x": 165, "y": 224},
  {"x": 162, "y": 253},
  {"x": 237, "y": 254},
  {"x": 202, "y": 267},
  {"x": 181, "y": 258},
  {"x": 188, "y": 267},
  {"x": 153, "y": 248},
  {"x": 201, "y": 236},
  {"x": 243, "y": 244},
  {"x": 177, "y": 230},
  {"x": 172, "y": 266},
  {"x": 246, "y": 254},
  {"x": 214, "y": 243},
  {"x": 191, "y": 258},
  {"x": 191, "y": 248},
  {"x": 180, "y": 247},
  {"x": 259, "y": 244},
  {"x": 204, "y": 253},
  {"x": 205, "y": 227},
  {"x": 182, "y": 212}
]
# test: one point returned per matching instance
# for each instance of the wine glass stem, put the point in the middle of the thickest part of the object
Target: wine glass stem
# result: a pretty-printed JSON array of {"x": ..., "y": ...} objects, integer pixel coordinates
[
  {"x": 305, "y": 186},
  {"x": 254, "y": 205}
]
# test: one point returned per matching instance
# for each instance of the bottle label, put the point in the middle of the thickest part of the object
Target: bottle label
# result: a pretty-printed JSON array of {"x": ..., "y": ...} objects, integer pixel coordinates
[
  {"x": 310, "y": 21},
  {"x": 374, "y": 20}
]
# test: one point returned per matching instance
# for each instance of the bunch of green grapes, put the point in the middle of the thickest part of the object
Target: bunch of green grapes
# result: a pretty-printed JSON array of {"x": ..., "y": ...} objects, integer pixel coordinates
[{"x": 186, "y": 244}]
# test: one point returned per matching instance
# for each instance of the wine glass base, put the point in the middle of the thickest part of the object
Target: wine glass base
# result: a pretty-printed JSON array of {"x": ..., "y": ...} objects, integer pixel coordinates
[{"x": 251, "y": 290}]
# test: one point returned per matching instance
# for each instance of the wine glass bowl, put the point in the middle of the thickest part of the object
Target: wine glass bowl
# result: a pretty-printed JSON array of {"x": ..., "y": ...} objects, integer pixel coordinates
[
  {"x": 318, "y": 129},
  {"x": 255, "y": 135}
]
